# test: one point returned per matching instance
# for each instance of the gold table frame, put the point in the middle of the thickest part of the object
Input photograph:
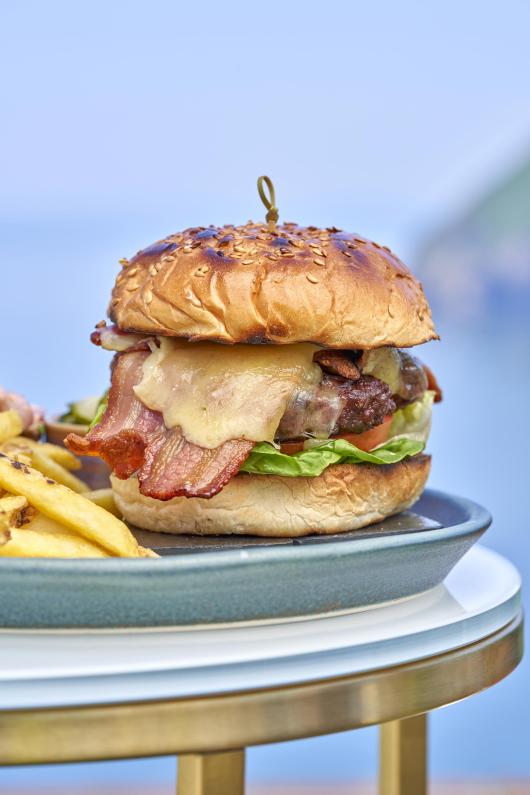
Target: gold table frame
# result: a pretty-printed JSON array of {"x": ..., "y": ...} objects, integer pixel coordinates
[{"x": 210, "y": 733}]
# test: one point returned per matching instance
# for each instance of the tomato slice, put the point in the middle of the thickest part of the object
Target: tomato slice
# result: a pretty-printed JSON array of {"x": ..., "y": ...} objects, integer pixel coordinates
[
  {"x": 364, "y": 441},
  {"x": 432, "y": 383},
  {"x": 290, "y": 448}
]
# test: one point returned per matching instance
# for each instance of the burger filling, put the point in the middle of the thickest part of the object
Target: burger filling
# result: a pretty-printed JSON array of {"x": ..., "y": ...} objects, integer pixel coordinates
[{"x": 187, "y": 417}]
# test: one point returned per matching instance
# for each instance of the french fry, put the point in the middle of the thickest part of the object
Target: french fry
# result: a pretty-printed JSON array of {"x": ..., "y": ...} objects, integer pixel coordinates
[
  {"x": 58, "y": 454},
  {"x": 11, "y": 509},
  {"x": 52, "y": 469},
  {"x": 105, "y": 499},
  {"x": 145, "y": 552},
  {"x": 68, "y": 508},
  {"x": 15, "y": 450},
  {"x": 44, "y": 538},
  {"x": 36, "y": 454},
  {"x": 10, "y": 425},
  {"x": 62, "y": 456}
]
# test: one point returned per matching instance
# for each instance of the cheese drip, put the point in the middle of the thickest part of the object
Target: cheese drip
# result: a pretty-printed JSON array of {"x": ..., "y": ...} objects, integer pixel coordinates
[{"x": 219, "y": 392}]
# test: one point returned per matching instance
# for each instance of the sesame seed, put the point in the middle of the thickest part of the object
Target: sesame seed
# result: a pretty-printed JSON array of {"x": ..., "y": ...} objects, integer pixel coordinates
[
  {"x": 132, "y": 272},
  {"x": 311, "y": 278},
  {"x": 319, "y": 261},
  {"x": 148, "y": 296},
  {"x": 247, "y": 262},
  {"x": 187, "y": 250},
  {"x": 202, "y": 270},
  {"x": 132, "y": 286},
  {"x": 346, "y": 254},
  {"x": 152, "y": 270},
  {"x": 101, "y": 324},
  {"x": 124, "y": 261},
  {"x": 192, "y": 298}
]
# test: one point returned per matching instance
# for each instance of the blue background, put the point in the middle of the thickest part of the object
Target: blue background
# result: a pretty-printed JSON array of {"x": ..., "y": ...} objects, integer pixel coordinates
[{"x": 124, "y": 121}]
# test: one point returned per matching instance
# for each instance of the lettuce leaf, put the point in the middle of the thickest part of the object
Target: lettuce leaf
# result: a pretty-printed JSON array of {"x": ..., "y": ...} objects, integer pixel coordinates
[
  {"x": 408, "y": 436},
  {"x": 101, "y": 409},
  {"x": 80, "y": 412},
  {"x": 414, "y": 421},
  {"x": 267, "y": 460}
]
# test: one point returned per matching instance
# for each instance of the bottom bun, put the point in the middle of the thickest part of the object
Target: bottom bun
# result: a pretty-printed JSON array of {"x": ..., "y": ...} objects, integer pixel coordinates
[{"x": 345, "y": 497}]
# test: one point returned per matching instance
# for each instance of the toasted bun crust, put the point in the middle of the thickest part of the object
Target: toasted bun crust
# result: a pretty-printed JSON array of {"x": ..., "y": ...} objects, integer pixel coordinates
[
  {"x": 345, "y": 497},
  {"x": 247, "y": 285}
]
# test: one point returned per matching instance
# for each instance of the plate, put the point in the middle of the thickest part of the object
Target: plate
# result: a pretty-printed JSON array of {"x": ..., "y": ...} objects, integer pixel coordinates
[{"x": 201, "y": 581}]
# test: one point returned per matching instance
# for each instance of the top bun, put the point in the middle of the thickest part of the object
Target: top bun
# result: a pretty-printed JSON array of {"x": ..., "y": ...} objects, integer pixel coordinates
[{"x": 245, "y": 284}]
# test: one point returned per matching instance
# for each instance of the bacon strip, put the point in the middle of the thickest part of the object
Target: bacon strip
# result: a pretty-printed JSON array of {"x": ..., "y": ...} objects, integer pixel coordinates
[
  {"x": 175, "y": 467},
  {"x": 133, "y": 438},
  {"x": 127, "y": 425},
  {"x": 338, "y": 363}
]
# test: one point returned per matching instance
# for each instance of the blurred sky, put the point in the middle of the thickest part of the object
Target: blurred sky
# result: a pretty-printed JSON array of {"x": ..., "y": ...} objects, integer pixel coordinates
[
  {"x": 123, "y": 121},
  {"x": 170, "y": 109}
]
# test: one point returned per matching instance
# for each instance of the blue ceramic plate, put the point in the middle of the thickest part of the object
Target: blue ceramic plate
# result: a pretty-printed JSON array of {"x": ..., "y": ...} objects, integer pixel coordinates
[{"x": 215, "y": 580}]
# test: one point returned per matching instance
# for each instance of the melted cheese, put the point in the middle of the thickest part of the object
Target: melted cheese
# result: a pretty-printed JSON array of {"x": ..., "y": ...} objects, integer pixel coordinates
[{"x": 219, "y": 392}]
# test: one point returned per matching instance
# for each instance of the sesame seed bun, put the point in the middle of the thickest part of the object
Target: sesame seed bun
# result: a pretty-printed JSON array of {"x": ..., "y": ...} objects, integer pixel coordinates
[
  {"x": 345, "y": 497},
  {"x": 247, "y": 285}
]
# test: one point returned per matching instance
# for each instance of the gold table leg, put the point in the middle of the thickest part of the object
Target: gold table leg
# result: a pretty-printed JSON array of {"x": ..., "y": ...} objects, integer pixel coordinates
[
  {"x": 403, "y": 757},
  {"x": 211, "y": 774}
]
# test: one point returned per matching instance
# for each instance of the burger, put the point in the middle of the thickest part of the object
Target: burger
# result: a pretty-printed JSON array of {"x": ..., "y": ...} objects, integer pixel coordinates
[{"x": 262, "y": 383}]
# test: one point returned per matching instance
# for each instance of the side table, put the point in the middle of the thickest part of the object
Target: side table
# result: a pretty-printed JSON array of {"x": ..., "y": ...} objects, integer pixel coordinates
[{"x": 208, "y": 692}]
